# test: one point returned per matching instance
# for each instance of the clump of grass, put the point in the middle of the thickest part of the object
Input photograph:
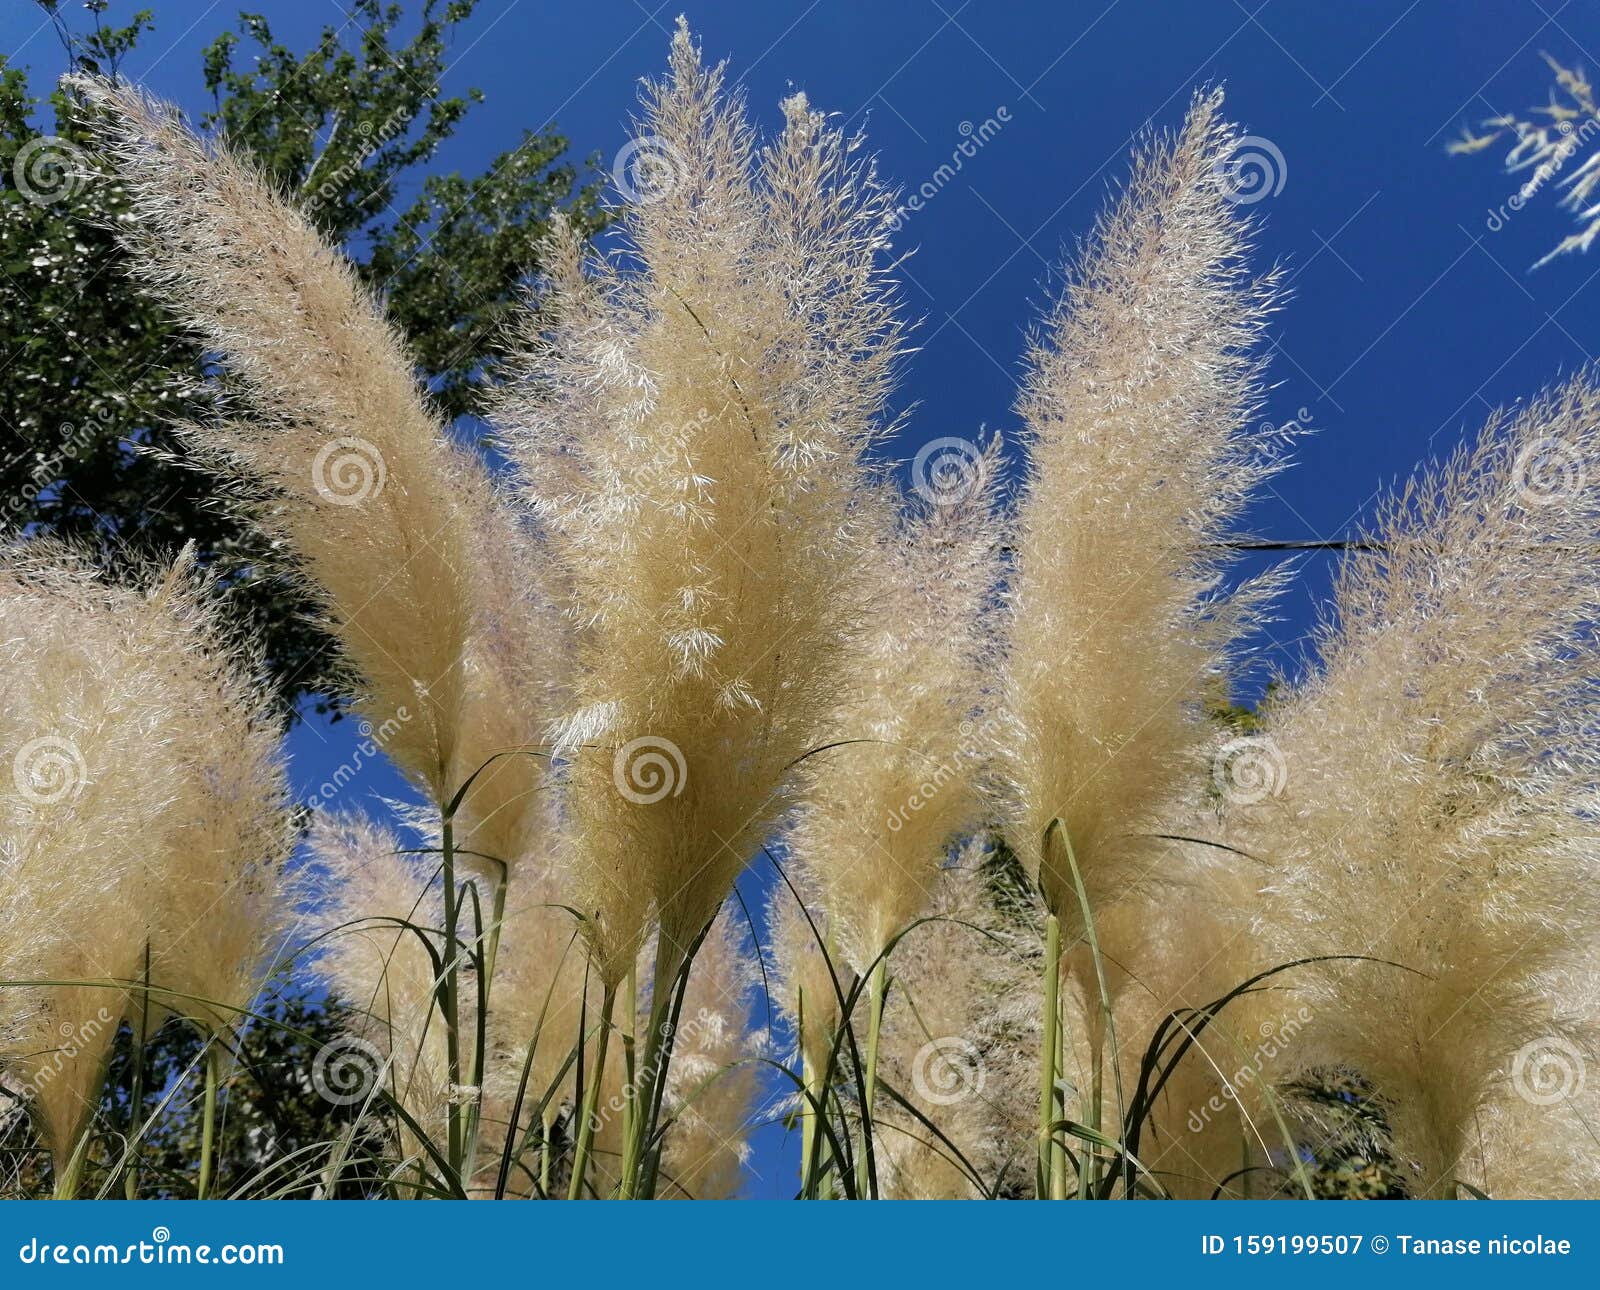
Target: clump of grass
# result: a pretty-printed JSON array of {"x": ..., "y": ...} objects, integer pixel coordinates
[
  {"x": 1022, "y": 932},
  {"x": 1440, "y": 767},
  {"x": 145, "y": 828}
]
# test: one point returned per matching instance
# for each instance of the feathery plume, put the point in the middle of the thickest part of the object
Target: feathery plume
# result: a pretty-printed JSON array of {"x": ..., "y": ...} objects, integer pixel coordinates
[
  {"x": 144, "y": 812},
  {"x": 691, "y": 428},
  {"x": 712, "y": 1084},
  {"x": 374, "y": 917},
  {"x": 803, "y": 989},
  {"x": 1439, "y": 809},
  {"x": 223, "y": 900},
  {"x": 516, "y": 668},
  {"x": 347, "y": 461},
  {"x": 1138, "y": 405},
  {"x": 959, "y": 1031},
  {"x": 89, "y": 771},
  {"x": 881, "y": 807}
]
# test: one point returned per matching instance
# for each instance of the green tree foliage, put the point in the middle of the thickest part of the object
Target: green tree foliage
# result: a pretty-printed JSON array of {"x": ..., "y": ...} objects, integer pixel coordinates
[
  {"x": 96, "y": 374},
  {"x": 276, "y": 1132}
]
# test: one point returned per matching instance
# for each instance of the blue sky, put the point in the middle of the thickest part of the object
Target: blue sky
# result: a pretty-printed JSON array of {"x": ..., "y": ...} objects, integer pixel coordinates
[{"x": 1409, "y": 320}]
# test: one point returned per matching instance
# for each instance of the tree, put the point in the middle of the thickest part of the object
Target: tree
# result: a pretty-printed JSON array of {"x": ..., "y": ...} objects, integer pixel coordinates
[
  {"x": 276, "y": 1131},
  {"x": 96, "y": 373}
]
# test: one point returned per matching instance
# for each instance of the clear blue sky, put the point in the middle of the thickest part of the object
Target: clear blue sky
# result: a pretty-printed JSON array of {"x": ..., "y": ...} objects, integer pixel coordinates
[{"x": 1410, "y": 318}]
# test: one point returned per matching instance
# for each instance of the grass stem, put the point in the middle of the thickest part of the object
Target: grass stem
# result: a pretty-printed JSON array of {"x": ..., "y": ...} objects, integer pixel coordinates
[
  {"x": 1048, "y": 1044},
  {"x": 208, "y": 1117},
  {"x": 591, "y": 1096}
]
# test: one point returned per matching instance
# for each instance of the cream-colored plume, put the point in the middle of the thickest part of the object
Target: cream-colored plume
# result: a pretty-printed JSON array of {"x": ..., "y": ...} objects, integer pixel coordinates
[
  {"x": 1437, "y": 771},
  {"x": 1138, "y": 405},
  {"x": 346, "y": 461},
  {"x": 882, "y": 806},
  {"x": 373, "y": 917},
  {"x": 691, "y": 429}
]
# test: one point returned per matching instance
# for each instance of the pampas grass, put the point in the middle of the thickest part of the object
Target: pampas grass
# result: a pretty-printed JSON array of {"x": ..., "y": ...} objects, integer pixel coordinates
[
  {"x": 1138, "y": 404},
  {"x": 1025, "y": 933},
  {"x": 903, "y": 780},
  {"x": 334, "y": 442},
  {"x": 1440, "y": 769},
  {"x": 145, "y": 826},
  {"x": 692, "y": 431}
]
